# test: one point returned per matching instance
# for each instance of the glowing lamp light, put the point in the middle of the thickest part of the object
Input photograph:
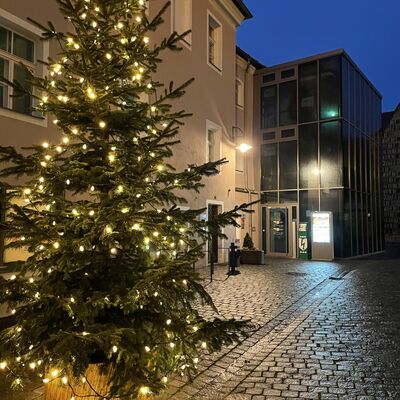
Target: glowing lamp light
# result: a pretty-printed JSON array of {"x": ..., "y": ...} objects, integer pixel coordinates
[{"x": 244, "y": 147}]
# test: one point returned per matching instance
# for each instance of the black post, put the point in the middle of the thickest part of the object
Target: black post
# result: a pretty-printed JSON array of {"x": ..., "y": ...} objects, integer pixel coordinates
[
  {"x": 234, "y": 255},
  {"x": 211, "y": 253}
]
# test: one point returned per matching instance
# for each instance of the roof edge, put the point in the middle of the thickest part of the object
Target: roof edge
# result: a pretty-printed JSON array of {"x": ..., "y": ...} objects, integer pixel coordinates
[
  {"x": 247, "y": 57},
  {"x": 243, "y": 9}
]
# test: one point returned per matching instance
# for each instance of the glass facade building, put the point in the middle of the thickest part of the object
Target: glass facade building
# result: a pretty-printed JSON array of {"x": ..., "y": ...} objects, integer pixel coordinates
[{"x": 319, "y": 135}]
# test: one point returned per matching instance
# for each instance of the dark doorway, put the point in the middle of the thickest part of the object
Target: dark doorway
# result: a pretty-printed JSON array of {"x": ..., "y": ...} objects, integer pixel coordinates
[{"x": 213, "y": 211}]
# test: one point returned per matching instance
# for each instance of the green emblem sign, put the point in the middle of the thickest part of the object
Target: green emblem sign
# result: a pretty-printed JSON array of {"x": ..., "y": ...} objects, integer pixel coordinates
[{"x": 304, "y": 251}]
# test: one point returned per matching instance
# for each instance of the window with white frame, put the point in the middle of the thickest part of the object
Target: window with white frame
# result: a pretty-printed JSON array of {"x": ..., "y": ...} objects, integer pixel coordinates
[
  {"x": 182, "y": 18},
  {"x": 213, "y": 142},
  {"x": 16, "y": 49},
  {"x": 239, "y": 93},
  {"x": 214, "y": 43}
]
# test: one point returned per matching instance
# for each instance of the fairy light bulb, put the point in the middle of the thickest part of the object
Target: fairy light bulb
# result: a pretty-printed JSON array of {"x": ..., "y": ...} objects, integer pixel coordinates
[
  {"x": 3, "y": 365},
  {"x": 108, "y": 229},
  {"x": 146, "y": 40},
  {"x": 75, "y": 211},
  {"x": 168, "y": 322},
  {"x": 81, "y": 248},
  {"x": 111, "y": 158},
  {"x": 156, "y": 234},
  {"x": 115, "y": 349},
  {"x": 75, "y": 131},
  {"x": 46, "y": 380},
  {"x": 65, "y": 140},
  {"x": 108, "y": 56},
  {"x": 164, "y": 379},
  {"x": 59, "y": 149},
  {"x": 144, "y": 390},
  {"x": 91, "y": 93},
  {"x": 120, "y": 25},
  {"x": 113, "y": 250},
  {"x": 136, "y": 227},
  {"x": 56, "y": 245},
  {"x": 54, "y": 373},
  {"x": 204, "y": 345},
  {"x": 45, "y": 145},
  {"x": 102, "y": 124},
  {"x": 125, "y": 210},
  {"x": 91, "y": 213},
  {"x": 172, "y": 345},
  {"x": 32, "y": 365},
  {"x": 147, "y": 349},
  {"x": 64, "y": 380},
  {"x": 94, "y": 24}
]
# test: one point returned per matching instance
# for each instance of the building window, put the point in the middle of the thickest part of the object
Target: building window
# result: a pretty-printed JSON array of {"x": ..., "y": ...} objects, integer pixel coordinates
[
  {"x": 213, "y": 142},
  {"x": 182, "y": 19},
  {"x": 288, "y": 103},
  {"x": 239, "y": 93},
  {"x": 239, "y": 164},
  {"x": 214, "y": 43},
  {"x": 17, "y": 55},
  {"x": 269, "y": 107}
]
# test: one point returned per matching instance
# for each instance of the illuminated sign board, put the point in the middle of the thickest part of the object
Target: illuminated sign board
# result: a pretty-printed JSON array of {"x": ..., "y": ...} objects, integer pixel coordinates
[{"x": 321, "y": 227}]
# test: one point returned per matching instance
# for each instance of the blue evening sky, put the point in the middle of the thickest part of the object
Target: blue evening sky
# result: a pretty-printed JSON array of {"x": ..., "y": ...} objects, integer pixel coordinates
[{"x": 369, "y": 30}]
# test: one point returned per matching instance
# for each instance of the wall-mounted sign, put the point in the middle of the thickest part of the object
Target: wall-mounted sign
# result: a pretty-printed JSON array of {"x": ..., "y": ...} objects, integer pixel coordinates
[
  {"x": 321, "y": 229},
  {"x": 322, "y": 235}
]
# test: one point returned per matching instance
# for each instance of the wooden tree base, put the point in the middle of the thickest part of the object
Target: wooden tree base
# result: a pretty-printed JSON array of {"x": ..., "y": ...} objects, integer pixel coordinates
[{"x": 56, "y": 390}]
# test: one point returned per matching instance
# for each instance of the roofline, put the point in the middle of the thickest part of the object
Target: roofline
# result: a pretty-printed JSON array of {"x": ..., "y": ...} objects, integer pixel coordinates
[
  {"x": 243, "y": 9},
  {"x": 247, "y": 57},
  {"x": 323, "y": 55}
]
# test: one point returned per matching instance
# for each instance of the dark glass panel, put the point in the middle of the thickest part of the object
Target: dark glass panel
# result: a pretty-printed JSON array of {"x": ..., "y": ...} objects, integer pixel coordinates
[
  {"x": 288, "y": 197},
  {"x": 360, "y": 222},
  {"x": 358, "y": 161},
  {"x": 288, "y": 165},
  {"x": 264, "y": 228},
  {"x": 332, "y": 200},
  {"x": 268, "y": 78},
  {"x": 365, "y": 223},
  {"x": 357, "y": 99},
  {"x": 269, "y": 167},
  {"x": 331, "y": 154},
  {"x": 288, "y": 73},
  {"x": 347, "y": 238},
  {"x": 308, "y": 92},
  {"x": 352, "y": 148},
  {"x": 287, "y": 133},
  {"x": 363, "y": 162},
  {"x": 288, "y": 103},
  {"x": 23, "y": 48},
  {"x": 278, "y": 221},
  {"x": 269, "y": 107},
  {"x": 23, "y": 102},
  {"x": 5, "y": 39},
  {"x": 370, "y": 226},
  {"x": 352, "y": 85},
  {"x": 368, "y": 165},
  {"x": 346, "y": 153},
  {"x": 345, "y": 88},
  {"x": 268, "y": 135},
  {"x": 330, "y": 87},
  {"x": 308, "y": 156},
  {"x": 308, "y": 201},
  {"x": 354, "y": 223},
  {"x": 269, "y": 197},
  {"x": 3, "y": 86}
]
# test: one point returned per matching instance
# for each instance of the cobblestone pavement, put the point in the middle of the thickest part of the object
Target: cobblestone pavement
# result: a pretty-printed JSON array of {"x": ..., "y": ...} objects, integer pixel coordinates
[{"x": 324, "y": 331}]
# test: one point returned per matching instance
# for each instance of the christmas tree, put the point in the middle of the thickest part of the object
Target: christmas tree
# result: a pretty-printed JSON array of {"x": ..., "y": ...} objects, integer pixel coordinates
[{"x": 108, "y": 279}]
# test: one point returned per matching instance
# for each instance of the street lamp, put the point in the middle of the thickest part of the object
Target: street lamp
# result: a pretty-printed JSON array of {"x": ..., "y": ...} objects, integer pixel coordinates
[{"x": 244, "y": 147}]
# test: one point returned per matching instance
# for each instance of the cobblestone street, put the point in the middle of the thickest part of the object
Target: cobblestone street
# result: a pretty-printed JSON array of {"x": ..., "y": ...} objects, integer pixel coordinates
[{"x": 324, "y": 331}]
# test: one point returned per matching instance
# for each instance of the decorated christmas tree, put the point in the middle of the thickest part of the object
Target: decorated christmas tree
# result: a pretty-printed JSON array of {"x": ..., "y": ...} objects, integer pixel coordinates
[{"x": 108, "y": 278}]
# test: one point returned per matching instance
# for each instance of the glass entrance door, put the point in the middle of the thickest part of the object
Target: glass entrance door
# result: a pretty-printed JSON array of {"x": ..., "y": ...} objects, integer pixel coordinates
[{"x": 279, "y": 230}]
